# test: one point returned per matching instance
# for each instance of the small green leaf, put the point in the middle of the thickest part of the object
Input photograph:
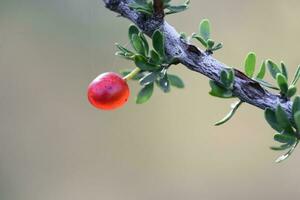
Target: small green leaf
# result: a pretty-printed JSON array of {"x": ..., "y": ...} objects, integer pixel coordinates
[
  {"x": 296, "y": 105},
  {"x": 176, "y": 9},
  {"x": 281, "y": 147},
  {"x": 224, "y": 78},
  {"x": 219, "y": 91},
  {"x": 175, "y": 81},
  {"x": 137, "y": 44},
  {"x": 262, "y": 71},
  {"x": 145, "y": 94},
  {"x": 210, "y": 43},
  {"x": 273, "y": 68},
  {"x": 155, "y": 59},
  {"x": 183, "y": 35},
  {"x": 204, "y": 29},
  {"x": 148, "y": 78},
  {"x": 230, "y": 75},
  {"x": 123, "y": 49},
  {"x": 233, "y": 110},
  {"x": 158, "y": 43},
  {"x": 200, "y": 39},
  {"x": 297, "y": 76},
  {"x": 217, "y": 47},
  {"x": 271, "y": 119},
  {"x": 142, "y": 63},
  {"x": 282, "y": 83},
  {"x": 283, "y": 119},
  {"x": 133, "y": 29},
  {"x": 250, "y": 63},
  {"x": 145, "y": 43},
  {"x": 291, "y": 91},
  {"x": 162, "y": 73},
  {"x": 284, "y": 70},
  {"x": 125, "y": 55},
  {"x": 266, "y": 84},
  {"x": 164, "y": 84},
  {"x": 297, "y": 120},
  {"x": 285, "y": 138},
  {"x": 142, "y": 6},
  {"x": 288, "y": 154},
  {"x": 227, "y": 78}
]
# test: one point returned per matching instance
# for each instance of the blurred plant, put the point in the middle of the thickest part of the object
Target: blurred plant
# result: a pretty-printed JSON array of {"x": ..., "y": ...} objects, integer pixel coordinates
[{"x": 282, "y": 112}]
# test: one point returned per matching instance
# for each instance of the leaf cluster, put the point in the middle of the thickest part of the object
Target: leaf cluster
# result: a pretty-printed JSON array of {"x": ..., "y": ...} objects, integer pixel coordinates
[
  {"x": 146, "y": 7},
  {"x": 287, "y": 130},
  {"x": 204, "y": 37},
  {"x": 153, "y": 63}
]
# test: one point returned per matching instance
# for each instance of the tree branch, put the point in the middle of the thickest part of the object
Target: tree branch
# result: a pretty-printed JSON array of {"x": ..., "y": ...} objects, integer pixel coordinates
[
  {"x": 158, "y": 8},
  {"x": 246, "y": 89}
]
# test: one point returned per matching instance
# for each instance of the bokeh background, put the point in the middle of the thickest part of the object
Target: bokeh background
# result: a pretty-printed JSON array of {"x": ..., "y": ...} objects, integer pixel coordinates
[{"x": 55, "y": 146}]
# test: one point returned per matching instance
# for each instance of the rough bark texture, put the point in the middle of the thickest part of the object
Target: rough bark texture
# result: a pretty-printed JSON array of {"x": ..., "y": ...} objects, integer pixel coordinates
[{"x": 245, "y": 89}]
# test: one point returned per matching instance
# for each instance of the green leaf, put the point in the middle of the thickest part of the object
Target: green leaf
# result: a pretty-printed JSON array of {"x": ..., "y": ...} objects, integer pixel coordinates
[
  {"x": 219, "y": 91},
  {"x": 291, "y": 91},
  {"x": 283, "y": 119},
  {"x": 262, "y": 71},
  {"x": 123, "y": 49},
  {"x": 158, "y": 43},
  {"x": 273, "y": 68},
  {"x": 250, "y": 63},
  {"x": 227, "y": 78},
  {"x": 296, "y": 105},
  {"x": 133, "y": 29},
  {"x": 164, "y": 84},
  {"x": 282, "y": 83},
  {"x": 175, "y": 81},
  {"x": 271, "y": 119},
  {"x": 142, "y": 6},
  {"x": 288, "y": 154},
  {"x": 204, "y": 29},
  {"x": 183, "y": 35},
  {"x": 145, "y": 43},
  {"x": 145, "y": 94},
  {"x": 210, "y": 43},
  {"x": 224, "y": 78},
  {"x": 233, "y": 110},
  {"x": 285, "y": 138},
  {"x": 142, "y": 63},
  {"x": 217, "y": 47},
  {"x": 284, "y": 70},
  {"x": 125, "y": 55},
  {"x": 148, "y": 78},
  {"x": 281, "y": 147},
  {"x": 266, "y": 84},
  {"x": 137, "y": 44},
  {"x": 200, "y": 39},
  {"x": 155, "y": 59},
  {"x": 297, "y": 76},
  {"x": 176, "y": 9},
  {"x": 297, "y": 120}
]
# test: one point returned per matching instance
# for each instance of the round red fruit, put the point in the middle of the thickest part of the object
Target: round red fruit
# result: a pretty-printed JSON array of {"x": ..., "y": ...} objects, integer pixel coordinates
[{"x": 108, "y": 91}]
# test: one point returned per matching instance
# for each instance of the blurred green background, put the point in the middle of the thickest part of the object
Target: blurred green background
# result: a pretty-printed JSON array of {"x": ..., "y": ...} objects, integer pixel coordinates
[{"x": 55, "y": 146}]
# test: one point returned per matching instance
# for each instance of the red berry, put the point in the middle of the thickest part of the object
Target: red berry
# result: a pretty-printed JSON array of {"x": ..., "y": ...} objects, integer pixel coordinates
[{"x": 108, "y": 91}]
